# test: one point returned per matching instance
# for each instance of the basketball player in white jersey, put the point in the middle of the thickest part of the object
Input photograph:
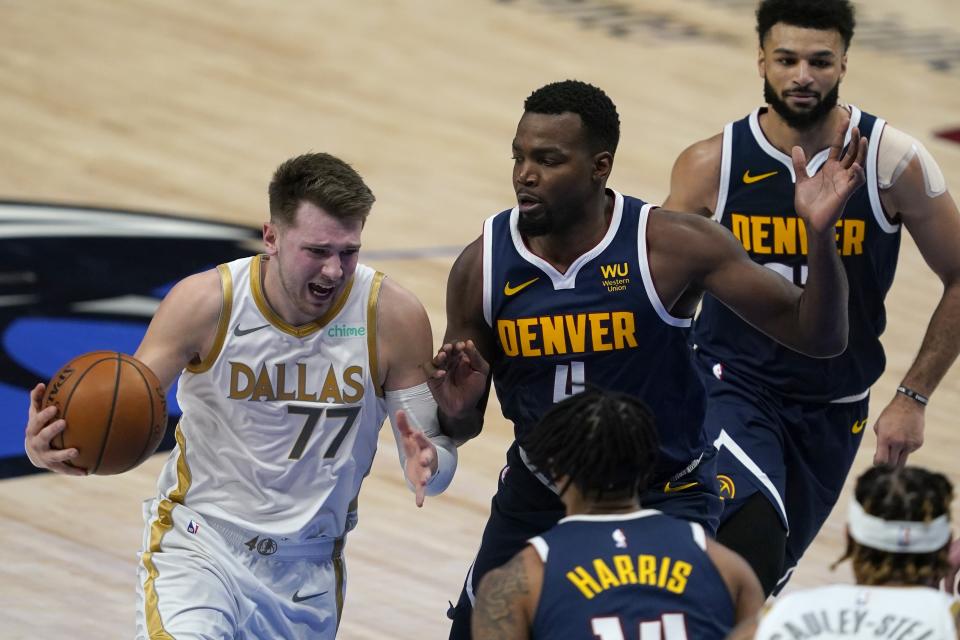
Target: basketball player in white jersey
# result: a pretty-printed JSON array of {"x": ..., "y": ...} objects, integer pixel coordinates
[
  {"x": 898, "y": 536},
  {"x": 288, "y": 362}
]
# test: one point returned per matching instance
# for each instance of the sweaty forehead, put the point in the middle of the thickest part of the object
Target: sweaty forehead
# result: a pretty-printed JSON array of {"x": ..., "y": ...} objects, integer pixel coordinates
[
  {"x": 803, "y": 40},
  {"x": 544, "y": 130}
]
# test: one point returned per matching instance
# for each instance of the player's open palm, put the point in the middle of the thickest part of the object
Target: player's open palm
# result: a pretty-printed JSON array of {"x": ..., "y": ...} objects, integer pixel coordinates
[
  {"x": 820, "y": 199},
  {"x": 459, "y": 377},
  {"x": 420, "y": 455}
]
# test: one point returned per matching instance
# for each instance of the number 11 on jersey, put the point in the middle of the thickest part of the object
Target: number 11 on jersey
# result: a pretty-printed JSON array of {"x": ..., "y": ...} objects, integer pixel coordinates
[
  {"x": 670, "y": 626},
  {"x": 568, "y": 381}
]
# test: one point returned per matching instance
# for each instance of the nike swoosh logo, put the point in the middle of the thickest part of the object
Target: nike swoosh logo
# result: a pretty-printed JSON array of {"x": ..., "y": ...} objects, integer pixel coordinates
[
  {"x": 669, "y": 489},
  {"x": 749, "y": 179},
  {"x": 242, "y": 332},
  {"x": 298, "y": 598},
  {"x": 509, "y": 291}
]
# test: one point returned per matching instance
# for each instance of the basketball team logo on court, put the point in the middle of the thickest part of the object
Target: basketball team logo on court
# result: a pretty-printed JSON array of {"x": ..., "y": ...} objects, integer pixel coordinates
[{"x": 81, "y": 279}]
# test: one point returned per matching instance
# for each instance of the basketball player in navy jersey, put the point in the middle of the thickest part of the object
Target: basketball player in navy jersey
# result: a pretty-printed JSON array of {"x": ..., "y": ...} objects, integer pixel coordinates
[
  {"x": 579, "y": 284},
  {"x": 787, "y": 426},
  {"x": 611, "y": 569}
]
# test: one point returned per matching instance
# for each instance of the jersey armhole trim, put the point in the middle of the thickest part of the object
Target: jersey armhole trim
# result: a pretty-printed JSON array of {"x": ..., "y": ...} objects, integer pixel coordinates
[
  {"x": 223, "y": 323},
  {"x": 647, "y": 277},
  {"x": 873, "y": 181},
  {"x": 725, "y": 160},
  {"x": 373, "y": 301},
  {"x": 488, "y": 270},
  {"x": 699, "y": 536},
  {"x": 541, "y": 547}
]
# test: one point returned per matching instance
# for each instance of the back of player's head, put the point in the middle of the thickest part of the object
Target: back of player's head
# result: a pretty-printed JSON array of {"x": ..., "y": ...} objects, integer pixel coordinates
[
  {"x": 887, "y": 542},
  {"x": 811, "y": 14},
  {"x": 602, "y": 442},
  {"x": 596, "y": 110},
  {"x": 322, "y": 180}
]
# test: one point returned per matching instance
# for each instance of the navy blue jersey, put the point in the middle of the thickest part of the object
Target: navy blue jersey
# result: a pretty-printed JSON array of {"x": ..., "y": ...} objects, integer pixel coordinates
[
  {"x": 600, "y": 323},
  {"x": 756, "y": 204},
  {"x": 609, "y": 576}
]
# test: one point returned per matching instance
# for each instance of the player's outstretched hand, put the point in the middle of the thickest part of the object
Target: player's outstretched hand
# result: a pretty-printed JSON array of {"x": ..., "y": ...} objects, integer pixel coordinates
[
  {"x": 42, "y": 428},
  {"x": 458, "y": 377},
  {"x": 421, "y": 456},
  {"x": 820, "y": 199}
]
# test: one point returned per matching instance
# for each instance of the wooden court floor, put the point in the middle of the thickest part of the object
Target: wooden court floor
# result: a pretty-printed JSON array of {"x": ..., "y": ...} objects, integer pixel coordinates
[{"x": 187, "y": 108}]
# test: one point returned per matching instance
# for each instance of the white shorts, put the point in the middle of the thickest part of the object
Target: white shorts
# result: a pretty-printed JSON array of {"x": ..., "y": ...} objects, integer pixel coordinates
[{"x": 201, "y": 578}]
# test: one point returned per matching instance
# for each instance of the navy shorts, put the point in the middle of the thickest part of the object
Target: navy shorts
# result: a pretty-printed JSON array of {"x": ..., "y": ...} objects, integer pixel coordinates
[
  {"x": 524, "y": 507},
  {"x": 797, "y": 454}
]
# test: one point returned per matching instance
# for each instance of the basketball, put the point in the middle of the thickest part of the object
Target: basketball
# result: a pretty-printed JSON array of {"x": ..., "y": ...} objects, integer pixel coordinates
[{"x": 115, "y": 409}]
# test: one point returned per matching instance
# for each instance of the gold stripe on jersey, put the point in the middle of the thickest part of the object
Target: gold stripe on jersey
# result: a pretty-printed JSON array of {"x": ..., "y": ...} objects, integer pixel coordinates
[
  {"x": 223, "y": 324},
  {"x": 372, "y": 303},
  {"x": 338, "y": 573},
  {"x": 256, "y": 288},
  {"x": 158, "y": 528}
]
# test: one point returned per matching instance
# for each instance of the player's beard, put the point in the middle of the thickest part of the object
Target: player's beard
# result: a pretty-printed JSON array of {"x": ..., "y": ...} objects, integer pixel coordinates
[
  {"x": 802, "y": 120},
  {"x": 530, "y": 227}
]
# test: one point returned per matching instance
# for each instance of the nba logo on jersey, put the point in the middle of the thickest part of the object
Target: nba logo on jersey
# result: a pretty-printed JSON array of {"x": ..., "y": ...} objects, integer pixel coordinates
[
  {"x": 903, "y": 539},
  {"x": 619, "y": 539},
  {"x": 192, "y": 527}
]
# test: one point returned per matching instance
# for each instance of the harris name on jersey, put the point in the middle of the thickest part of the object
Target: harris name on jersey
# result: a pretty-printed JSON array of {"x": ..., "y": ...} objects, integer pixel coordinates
[{"x": 661, "y": 572}]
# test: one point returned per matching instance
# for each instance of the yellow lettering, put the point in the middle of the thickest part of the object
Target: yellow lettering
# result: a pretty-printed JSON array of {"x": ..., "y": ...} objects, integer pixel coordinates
[
  {"x": 623, "y": 270},
  {"x": 302, "y": 394},
  {"x": 508, "y": 337},
  {"x": 607, "y": 579},
  {"x": 282, "y": 393},
  {"x": 664, "y": 571},
  {"x": 624, "y": 330},
  {"x": 625, "y": 571},
  {"x": 678, "y": 577},
  {"x": 785, "y": 236},
  {"x": 646, "y": 569},
  {"x": 331, "y": 388},
  {"x": 353, "y": 377},
  {"x": 802, "y": 229},
  {"x": 741, "y": 228},
  {"x": 854, "y": 233},
  {"x": 238, "y": 369},
  {"x": 598, "y": 330},
  {"x": 527, "y": 336},
  {"x": 759, "y": 233},
  {"x": 608, "y": 270},
  {"x": 554, "y": 340},
  {"x": 584, "y": 581},
  {"x": 264, "y": 387},
  {"x": 577, "y": 330}
]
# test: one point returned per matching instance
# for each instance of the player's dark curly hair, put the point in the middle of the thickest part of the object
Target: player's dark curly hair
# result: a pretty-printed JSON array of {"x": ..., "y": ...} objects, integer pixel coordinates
[
  {"x": 911, "y": 494},
  {"x": 812, "y": 14},
  {"x": 320, "y": 179},
  {"x": 603, "y": 442},
  {"x": 595, "y": 108}
]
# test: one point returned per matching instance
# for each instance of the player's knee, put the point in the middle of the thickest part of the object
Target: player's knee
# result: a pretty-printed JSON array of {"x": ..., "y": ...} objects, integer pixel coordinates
[{"x": 757, "y": 533}]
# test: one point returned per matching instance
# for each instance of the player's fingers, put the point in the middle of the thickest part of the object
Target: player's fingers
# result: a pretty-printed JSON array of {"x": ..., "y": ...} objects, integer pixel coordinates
[
  {"x": 421, "y": 494},
  {"x": 45, "y": 435},
  {"x": 67, "y": 469},
  {"x": 36, "y": 396},
  {"x": 477, "y": 361},
  {"x": 882, "y": 454},
  {"x": 40, "y": 420},
  {"x": 799, "y": 163}
]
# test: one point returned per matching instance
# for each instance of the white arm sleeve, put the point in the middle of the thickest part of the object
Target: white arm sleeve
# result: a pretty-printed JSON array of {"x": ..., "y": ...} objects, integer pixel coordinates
[{"x": 420, "y": 407}]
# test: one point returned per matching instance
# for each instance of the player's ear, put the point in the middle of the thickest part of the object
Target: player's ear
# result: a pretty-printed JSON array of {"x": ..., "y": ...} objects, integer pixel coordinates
[
  {"x": 761, "y": 59},
  {"x": 270, "y": 237},
  {"x": 602, "y": 165},
  {"x": 843, "y": 65}
]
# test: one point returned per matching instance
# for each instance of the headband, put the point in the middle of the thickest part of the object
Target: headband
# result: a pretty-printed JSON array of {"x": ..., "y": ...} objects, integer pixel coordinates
[{"x": 897, "y": 536}]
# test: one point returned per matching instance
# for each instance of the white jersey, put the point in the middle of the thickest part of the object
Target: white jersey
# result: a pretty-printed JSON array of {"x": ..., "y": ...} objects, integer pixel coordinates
[
  {"x": 852, "y": 612},
  {"x": 280, "y": 422}
]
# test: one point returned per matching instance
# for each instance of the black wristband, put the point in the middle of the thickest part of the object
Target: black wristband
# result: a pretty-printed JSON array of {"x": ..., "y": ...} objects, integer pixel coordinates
[{"x": 913, "y": 395}]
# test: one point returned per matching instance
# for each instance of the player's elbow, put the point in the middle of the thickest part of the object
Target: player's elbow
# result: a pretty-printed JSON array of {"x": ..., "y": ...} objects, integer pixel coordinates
[{"x": 827, "y": 345}]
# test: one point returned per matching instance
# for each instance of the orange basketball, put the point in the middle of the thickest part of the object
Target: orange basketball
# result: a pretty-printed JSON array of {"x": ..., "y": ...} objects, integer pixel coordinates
[{"x": 115, "y": 409}]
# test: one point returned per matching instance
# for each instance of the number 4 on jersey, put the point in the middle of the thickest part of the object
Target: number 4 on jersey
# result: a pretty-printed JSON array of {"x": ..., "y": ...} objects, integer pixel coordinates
[
  {"x": 670, "y": 626},
  {"x": 569, "y": 380}
]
